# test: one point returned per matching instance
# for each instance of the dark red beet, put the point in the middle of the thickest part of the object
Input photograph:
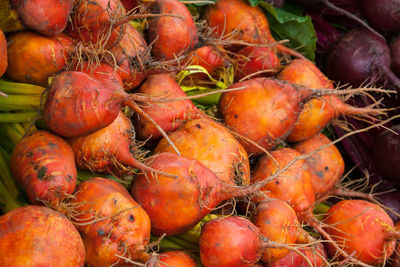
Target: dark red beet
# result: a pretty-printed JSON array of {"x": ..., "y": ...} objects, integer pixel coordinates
[
  {"x": 383, "y": 15},
  {"x": 358, "y": 57},
  {"x": 395, "y": 55},
  {"x": 386, "y": 153}
]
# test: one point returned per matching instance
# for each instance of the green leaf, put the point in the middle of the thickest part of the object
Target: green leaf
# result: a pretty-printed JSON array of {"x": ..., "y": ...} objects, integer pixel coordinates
[
  {"x": 254, "y": 2},
  {"x": 289, "y": 24}
]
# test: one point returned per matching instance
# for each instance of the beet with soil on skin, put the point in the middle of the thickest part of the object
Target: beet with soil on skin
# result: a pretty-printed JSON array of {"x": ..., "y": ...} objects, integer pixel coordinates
[
  {"x": 44, "y": 165},
  {"x": 359, "y": 57},
  {"x": 111, "y": 223},
  {"x": 131, "y": 56}
]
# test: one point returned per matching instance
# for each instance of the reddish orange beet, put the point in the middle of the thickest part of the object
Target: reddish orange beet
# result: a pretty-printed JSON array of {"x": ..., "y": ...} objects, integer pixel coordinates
[
  {"x": 38, "y": 236},
  {"x": 316, "y": 113},
  {"x": 172, "y": 36},
  {"x": 277, "y": 222},
  {"x": 43, "y": 164},
  {"x": 169, "y": 116},
  {"x": 131, "y": 56},
  {"x": 213, "y": 145},
  {"x": 3, "y": 53},
  {"x": 124, "y": 227},
  {"x": 209, "y": 57},
  {"x": 316, "y": 255},
  {"x": 292, "y": 185},
  {"x": 255, "y": 59},
  {"x": 175, "y": 259},
  {"x": 47, "y": 17},
  {"x": 93, "y": 21},
  {"x": 362, "y": 227},
  {"x": 177, "y": 205},
  {"x": 326, "y": 165},
  {"x": 32, "y": 58}
]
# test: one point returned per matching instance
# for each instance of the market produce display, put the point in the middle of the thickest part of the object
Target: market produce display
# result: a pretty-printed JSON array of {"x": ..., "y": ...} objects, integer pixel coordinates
[{"x": 211, "y": 133}]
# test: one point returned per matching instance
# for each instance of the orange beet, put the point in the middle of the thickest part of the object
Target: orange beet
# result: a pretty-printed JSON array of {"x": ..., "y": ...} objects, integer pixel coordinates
[
  {"x": 249, "y": 23},
  {"x": 361, "y": 227},
  {"x": 326, "y": 165},
  {"x": 206, "y": 56},
  {"x": 47, "y": 17},
  {"x": 239, "y": 20},
  {"x": 265, "y": 111},
  {"x": 131, "y": 55},
  {"x": 316, "y": 113},
  {"x": 170, "y": 116},
  {"x": 172, "y": 36},
  {"x": 213, "y": 145},
  {"x": 111, "y": 223},
  {"x": 277, "y": 222},
  {"x": 109, "y": 149},
  {"x": 32, "y": 58},
  {"x": 175, "y": 259},
  {"x": 292, "y": 185},
  {"x": 38, "y": 236},
  {"x": 43, "y": 164},
  {"x": 93, "y": 21},
  {"x": 177, "y": 205},
  {"x": 316, "y": 255},
  {"x": 3, "y": 53}
]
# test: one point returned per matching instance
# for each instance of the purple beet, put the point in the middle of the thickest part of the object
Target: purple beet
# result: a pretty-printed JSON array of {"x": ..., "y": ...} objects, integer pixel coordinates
[
  {"x": 360, "y": 56},
  {"x": 386, "y": 153},
  {"x": 383, "y": 15},
  {"x": 392, "y": 201},
  {"x": 395, "y": 55}
]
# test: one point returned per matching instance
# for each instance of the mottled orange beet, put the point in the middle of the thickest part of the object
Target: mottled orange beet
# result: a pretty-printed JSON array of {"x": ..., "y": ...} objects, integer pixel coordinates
[
  {"x": 277, "y": 222},
  {"x": 113, "y": 223},
  {"x": 34, "y": 236},
  {"x": 326, "y": 165},
  {"x": 43, "y": 164},
  {"x": 292, "y": 185},
  {"x": 131, "y": 56}
]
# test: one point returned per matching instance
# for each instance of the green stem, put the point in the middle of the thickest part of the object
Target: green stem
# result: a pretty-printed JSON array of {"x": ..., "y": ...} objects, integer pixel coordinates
[
  {"x": 183, "y": 243},
  {"x": 11, "y": 132},
  {"x": 7, "y": 201},
  {"x": 166, "y": 244},
  {"x": 15, "y": 88},
  {"x": 18, "y": 117},
  {"x": 6, "y": 176},
  {"x": 19, "y": 102}
]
